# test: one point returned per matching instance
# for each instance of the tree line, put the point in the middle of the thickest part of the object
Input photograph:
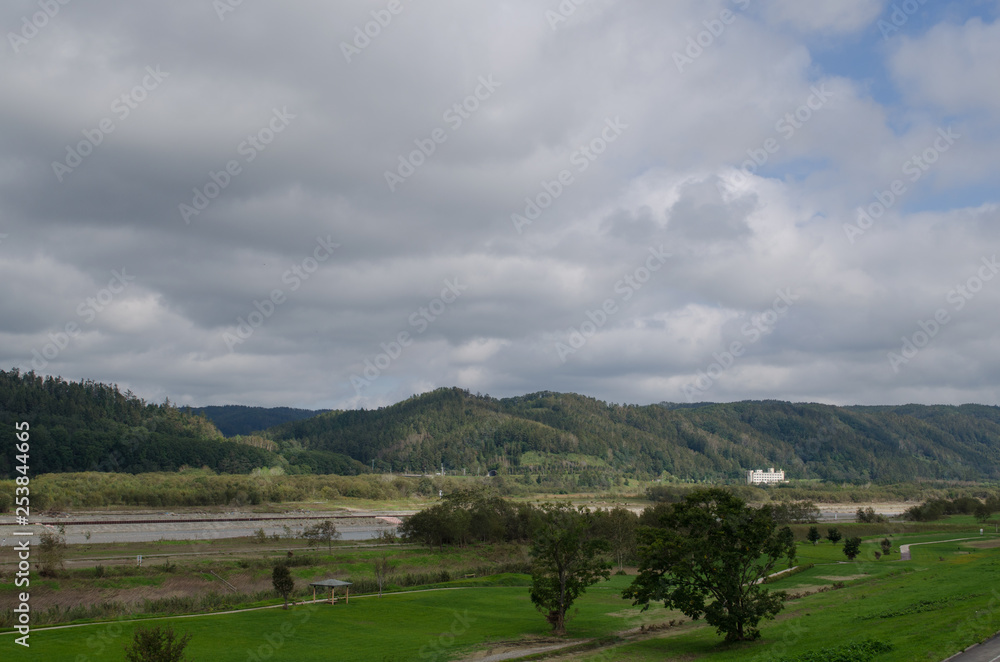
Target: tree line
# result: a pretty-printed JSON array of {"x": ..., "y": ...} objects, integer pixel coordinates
[{"x": 704, "y": 555}]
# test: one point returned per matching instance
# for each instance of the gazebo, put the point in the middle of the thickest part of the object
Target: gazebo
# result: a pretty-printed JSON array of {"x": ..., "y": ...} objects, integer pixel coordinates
[{"x": 332, "y": 584}]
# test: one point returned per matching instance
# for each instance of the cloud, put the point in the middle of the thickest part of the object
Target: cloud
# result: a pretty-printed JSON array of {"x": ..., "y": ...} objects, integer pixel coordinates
[
  {"x": 740, "y": 169},
  {"x": 950, "y": 66}
]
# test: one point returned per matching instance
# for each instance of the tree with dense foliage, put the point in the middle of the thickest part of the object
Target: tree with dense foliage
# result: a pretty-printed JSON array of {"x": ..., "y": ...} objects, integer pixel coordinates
[
  {"x": 467, "y": 516},
  {"x": 708, "y": 557},
  {"x": 886, "y": 546},
  {"x": 325, "y": 531},
  {"x": 156, "y": 644},
  {"x": 566, "y": 558},
  {"x": 814, "y": 535},
  {"x": 282, "y": 581},
  {"x": 852, "y": 547},
  {"x": 833, "y": 535}
]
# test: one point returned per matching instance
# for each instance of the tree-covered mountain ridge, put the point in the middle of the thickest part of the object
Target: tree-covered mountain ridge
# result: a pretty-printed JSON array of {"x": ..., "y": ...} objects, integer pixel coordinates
[
  {"x": 87, "y": 426},
  {"x": 543, "y": 431}
]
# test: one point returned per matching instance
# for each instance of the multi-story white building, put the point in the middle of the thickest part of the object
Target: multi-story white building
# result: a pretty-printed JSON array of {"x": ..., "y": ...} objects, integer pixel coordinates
[{"x": 759, "y": 476}]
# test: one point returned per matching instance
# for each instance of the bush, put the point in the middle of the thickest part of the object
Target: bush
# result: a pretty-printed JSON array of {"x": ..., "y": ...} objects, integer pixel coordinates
[
  {"x": 861, "y": 651},
  {"x": 869, "y": 516},
  {"x": 157, "y": 644}
]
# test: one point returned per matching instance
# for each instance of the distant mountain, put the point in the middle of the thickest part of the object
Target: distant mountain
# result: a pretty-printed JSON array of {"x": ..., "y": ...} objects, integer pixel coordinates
[
  {"x": 712, "y": 441},
  {"x": 238, "y": 419}
]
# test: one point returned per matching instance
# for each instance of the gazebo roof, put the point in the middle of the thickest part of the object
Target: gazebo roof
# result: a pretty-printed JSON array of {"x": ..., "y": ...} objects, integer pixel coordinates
[{"x": 330, "y": 583}]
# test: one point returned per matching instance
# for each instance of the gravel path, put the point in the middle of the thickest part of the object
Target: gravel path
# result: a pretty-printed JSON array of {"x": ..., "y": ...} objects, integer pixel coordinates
[{"x": 904, "y": 550}]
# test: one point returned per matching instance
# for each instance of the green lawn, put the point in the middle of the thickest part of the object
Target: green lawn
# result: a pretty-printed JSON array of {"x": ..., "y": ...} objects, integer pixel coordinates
[
  {"x": 927, "y": 608},
  {"x": 403, "y": 626}
]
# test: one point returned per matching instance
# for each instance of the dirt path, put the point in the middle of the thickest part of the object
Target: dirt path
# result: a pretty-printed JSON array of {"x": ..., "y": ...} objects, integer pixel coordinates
[
  {"x": 904, "y": 550},
  {"x": 515, "y": 653}
]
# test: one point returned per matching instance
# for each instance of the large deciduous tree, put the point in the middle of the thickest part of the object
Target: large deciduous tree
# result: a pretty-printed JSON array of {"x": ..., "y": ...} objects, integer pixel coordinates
[
  {"x": 708, "y": 557},
  {"x": 566, "y": 558}
]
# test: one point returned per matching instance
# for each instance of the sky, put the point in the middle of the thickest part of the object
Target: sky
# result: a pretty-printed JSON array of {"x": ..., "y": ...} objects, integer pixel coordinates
[{"x": 341, "y": 205}]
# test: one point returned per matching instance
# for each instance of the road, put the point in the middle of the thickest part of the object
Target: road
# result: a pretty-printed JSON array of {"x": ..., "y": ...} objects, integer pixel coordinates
[{"x": 988, "y": 651}]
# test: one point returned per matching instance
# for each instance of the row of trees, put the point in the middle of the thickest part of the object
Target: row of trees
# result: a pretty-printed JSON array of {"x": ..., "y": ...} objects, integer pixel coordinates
[
  {"x": 705, "y": 555},
  {"x": 934, "y": 509}
]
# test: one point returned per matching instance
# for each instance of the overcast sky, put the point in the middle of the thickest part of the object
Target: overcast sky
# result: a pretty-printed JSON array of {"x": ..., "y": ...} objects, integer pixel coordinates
[{"x": 342, "y": 204}]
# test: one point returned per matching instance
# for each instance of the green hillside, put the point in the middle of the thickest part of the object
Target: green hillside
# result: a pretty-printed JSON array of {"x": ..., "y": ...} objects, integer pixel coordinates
[
  {"x": 714, "y": 441},
  {"x": 87, "y": 426}
]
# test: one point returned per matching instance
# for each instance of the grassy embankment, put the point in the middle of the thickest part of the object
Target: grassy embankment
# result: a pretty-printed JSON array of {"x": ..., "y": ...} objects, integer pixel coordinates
[{"x": 926, "y": 608}]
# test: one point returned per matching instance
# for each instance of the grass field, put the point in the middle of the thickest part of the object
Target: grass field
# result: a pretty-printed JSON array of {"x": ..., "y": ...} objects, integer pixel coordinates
[{"x": 942, "y": 600}]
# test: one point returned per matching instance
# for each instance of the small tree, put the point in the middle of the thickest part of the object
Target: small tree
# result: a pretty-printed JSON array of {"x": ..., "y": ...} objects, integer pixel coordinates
[
  {"x": 384, "y": 569},
  {"x": 566, "y": 558},
  {"x": 983, "y": 513},
  {"x": 51, "y": 552},
  {"x": 852, "y": 547},
  {"x": 886, "y": 545},
  {"x": 282, "y": 581},
  {"x": 618, "y": 527},
  {"x": 325, "y": 531},
  {"x": 156, "y": 644},
  {"x": 878, "y": 555},
  {"x": 833, "y": 535},
  {"x": 813, "y": 535}
]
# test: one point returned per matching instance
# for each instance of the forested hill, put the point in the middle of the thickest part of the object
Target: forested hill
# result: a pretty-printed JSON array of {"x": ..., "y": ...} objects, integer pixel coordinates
[
  {"x": 533, "y": 433},
  {"x": 239, "y": 419},
  {"x": 89, "y": 426},
  {"x": 86, "y": 426}
]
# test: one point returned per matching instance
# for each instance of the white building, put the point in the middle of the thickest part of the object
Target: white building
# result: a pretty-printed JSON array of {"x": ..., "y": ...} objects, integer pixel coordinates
[{"x": 761, "y": 477}]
